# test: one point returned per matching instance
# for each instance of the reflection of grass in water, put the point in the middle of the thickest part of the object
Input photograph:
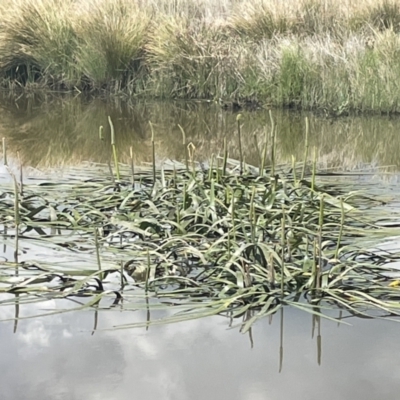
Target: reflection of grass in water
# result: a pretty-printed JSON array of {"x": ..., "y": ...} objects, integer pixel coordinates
[
  {"x": 64, "y": 131},
  {"x": 351, "y": 142},
  {"x": 67, "y": 132}
]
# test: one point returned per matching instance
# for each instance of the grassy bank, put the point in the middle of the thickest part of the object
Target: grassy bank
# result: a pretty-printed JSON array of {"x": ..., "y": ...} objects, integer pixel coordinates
[{"x": 330, "y": 55}]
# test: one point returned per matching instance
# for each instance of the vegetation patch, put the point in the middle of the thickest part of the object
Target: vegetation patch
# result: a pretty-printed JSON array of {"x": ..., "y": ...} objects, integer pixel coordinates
[
  {"x": 324, "y": 55},
  {"x": 223, "y": 238}
]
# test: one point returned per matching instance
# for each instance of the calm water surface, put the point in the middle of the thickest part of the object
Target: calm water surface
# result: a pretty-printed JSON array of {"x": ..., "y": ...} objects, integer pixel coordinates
[
  {"x": 58, "y": 132},
  {"x": 61, "y": 357}
]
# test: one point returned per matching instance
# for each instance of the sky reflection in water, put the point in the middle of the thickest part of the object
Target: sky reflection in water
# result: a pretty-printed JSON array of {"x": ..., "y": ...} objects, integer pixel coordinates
[{"x": 59, "y": 358}]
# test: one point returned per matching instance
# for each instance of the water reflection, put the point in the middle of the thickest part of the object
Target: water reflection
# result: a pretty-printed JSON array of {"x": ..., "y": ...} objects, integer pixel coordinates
[
  {"x": 63, "y": 131},
  {"x": 58, "y": 358}
]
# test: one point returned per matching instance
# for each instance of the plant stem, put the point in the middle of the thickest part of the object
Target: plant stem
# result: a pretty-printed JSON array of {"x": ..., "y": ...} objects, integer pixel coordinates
[{"x": 114, "y": 149}]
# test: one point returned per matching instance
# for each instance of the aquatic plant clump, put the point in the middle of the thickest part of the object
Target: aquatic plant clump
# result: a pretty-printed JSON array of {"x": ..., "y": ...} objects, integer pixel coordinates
[{"x": 226, "y": 239}]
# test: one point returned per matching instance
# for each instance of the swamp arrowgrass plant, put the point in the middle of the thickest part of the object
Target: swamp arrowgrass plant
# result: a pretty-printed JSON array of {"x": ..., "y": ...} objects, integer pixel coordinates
[{"x": 208, "y": 241}]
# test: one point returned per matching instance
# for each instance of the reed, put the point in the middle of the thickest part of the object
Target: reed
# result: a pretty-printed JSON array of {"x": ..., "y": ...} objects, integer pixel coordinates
[
  {"x": 17, "y": 221},
  {"x": 114, "y": 148},
  {"x": 21, "y": 175},
  {"x": 101, "y": 137},
  {"x": 5, "y": 162},
  {"x": 342, "y": 219},
  {"x": 283, "y": 250},
  {"x": 294, "y": 170},
  {"x": 132, "y": 166},
  {"x": 273, "y": 133},
  {"x": 191, "y": 151},
  {"x": 320, "y": 237},
  {"x": 122, "y": 278},
  {"x": 153, "y": 152},
  {"x": 211, "y": 170},
  {"x": 148, "y": 269},
  {"x": 252, "y": 215},
  {"x": 238, "y": 119},
  {"x": 306, "y": 146},
  {"x": 96, "y": 242},
  {"x": 264, "y": 153},
  {"x": 319, "y": 340},
  {"x": 281, "y": 341},
  {"x": 16, "y": 313},
  {"x": 184, "y": 146},
  {"x": 314, "y": 169}
]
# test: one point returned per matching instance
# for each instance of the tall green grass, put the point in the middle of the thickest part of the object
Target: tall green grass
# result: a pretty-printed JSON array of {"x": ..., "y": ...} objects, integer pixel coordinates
[
  {"x": 111, "y": 36},
  {"x": 38, "y": 43},
  {"x": 335, "y": 56},
  {"x": 199, "y": 61}
]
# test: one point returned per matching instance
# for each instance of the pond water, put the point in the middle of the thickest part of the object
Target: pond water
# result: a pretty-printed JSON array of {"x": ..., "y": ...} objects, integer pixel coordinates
[
  {"x": 75, "y": 355},
  {"x": 59, "y": 358},
  {"x": 58, "y": 132}
]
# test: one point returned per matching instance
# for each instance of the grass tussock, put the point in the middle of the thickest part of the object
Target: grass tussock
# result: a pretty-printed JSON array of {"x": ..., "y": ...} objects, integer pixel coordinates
[
  {"x": 334, "y": 56},
  {"x": 385, "y": 15},
  {"x": 196, "y": 62},
  {"x": 38, "y": 42},
  {"x": 112, "y": 36}
]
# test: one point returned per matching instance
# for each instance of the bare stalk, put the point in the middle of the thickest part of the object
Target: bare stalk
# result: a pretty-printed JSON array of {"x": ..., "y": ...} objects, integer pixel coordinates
[
  {"x": 185, "y": 147},
  {"x": 4, "y": 152},
  {"x": 238, "y": 118},
  {"x": 114, "y": 149},
  {"x": 153, "y": 153},
  {"x": 306, "y": 145},
  {"x": 272, "y": 143},
  {"x": 132, "y": 166}
]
